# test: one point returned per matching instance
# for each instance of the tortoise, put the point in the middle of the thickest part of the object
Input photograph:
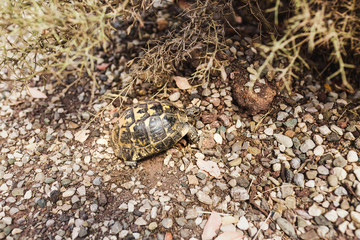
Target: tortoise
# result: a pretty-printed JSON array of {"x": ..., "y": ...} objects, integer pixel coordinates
[{"x": 150, "y": 127}]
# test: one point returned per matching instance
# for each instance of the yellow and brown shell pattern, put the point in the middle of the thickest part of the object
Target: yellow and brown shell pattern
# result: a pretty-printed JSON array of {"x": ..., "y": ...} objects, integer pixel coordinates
[{"x": 147, "y": 128}]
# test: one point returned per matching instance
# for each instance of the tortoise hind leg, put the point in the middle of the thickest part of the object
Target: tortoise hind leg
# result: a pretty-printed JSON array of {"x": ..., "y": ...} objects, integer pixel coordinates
[{"x": 192, "y": 134}]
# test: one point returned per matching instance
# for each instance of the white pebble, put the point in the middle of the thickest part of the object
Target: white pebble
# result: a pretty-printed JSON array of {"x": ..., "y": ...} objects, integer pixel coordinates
[
  {"x": 336, "y": 129},
  {"x": 174, "y": 97},
  {"x": 28, "y": 194},
  {"x": 331, "y": 215},
  {"x": 68, "y": 135},
  {"x": 285, "y": 140},
  {"x": 69, "y": 192},
  {"x": 269, "y": 131},
  {"x": 324, "y": 130},
  {"x": 340, "y": 173},
  {"x": 352, "y": 156},
  {"x": 318, "y": 139},
  {"x": 315, "y": 210},
  {"x": 243, "y": 224},
  {"x": 101, "y": 141},
  {"x": 218, "y": 139},
  {"x": 319, "y": 151}
]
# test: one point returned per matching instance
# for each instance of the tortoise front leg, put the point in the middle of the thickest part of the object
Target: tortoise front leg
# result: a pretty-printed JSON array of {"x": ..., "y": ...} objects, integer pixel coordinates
[{"x": 131, "y": 163}]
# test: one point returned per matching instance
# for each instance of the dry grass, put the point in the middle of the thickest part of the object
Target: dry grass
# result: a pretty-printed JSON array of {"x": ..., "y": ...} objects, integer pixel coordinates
[
  {"x": 332, "y": 27},
  {"x": 56, "y": 37}
]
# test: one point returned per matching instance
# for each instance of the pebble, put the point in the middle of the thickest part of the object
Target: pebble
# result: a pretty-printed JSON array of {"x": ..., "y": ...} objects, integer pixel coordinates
[
  {"x": 336, "y": 129},
  {"x": 323, "y": 170},
  {"x": 116, "y": 228},
  {"x": 319, "y": 151},
  {"x": 299, "y": 180},
  {"x": 355, "y": 216},
  {"x": 318, "y": 139},
  {"x": 307, "y": 145},
  {"x": 41, "y": 202},
  {"x": 295, "y": 163},
  {"x": 339, "y": 172},
  {"x": 269, "y": 131},
  {"x": 218, "y": 139},
  {"x": 311, "y": 174},
  {"x": 152, "y": 226},
  {"x": 322, "y": 231},
  {"x": 324, "y": 130},
  {"x": 243, "y": 223},
  {"x": 239, "y": 194},
  {"x": 167, "y": 222},
  {"x": 352, "y": 156},
  {"x": 97, "y": 181},
  {"x": 315, "y": 210},
  {"x": 287, "y": 227},
  {"x": 284, "y": 140},
  {"x": 140, "y": 221},
  {"x": 340, "y": 191},
  {"x": 7, "y": 220},
  {"x": 340, "y": 161},
  {"x": 69, "y": 192},
  {"x": 204, "y": 197},
  {"x": 357, "y": 173},
  {"x": 174, "y": 97},
  {"x": 331, "y": 215}
]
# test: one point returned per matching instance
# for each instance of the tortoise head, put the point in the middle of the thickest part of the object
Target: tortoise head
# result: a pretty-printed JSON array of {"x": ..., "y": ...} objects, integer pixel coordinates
[{"x": 193, "y": 114}]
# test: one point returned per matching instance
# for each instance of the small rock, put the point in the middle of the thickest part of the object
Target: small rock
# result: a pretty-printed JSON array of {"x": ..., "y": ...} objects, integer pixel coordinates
[
  {"x": 331, "y": 215},
  {"x": 83, "y": 232},
  {"x": 336, "y": 129},
  {"x": 152, "y": 226},
  {"x": 81, "y": 190},
  {"x": 192, "y": 179},
  {"x": 333, "y": 137},
  {"x": 287, "y": 227},
  {"x": 339, "y": 172},
  {"x": 41, "y": 202},
  {"x": 319, "y": 151},
  {"x": 318, "y": 139},
  {"x": 311, "y": 174},
  {"x": 307, "y": 145},
  {"x": 116, "y": 228},
  {"x": 309, "y": 235},
  {"x": 284, "y": 140},
  {"x": 269, "y": 131},
  {"x": 204, "y": 197},
  {"x": 323, "y": 170},
  {"x": 333, "y": 180},
  {"x": 315, "y": 210},
  {"x": 140, "y": 221},
  {"x": 167, "y": 222},
  {"x": 218, "y": 139},
  {"x": 97, "y": 181},
  {"x": 324, "y": 130},
  {"x": 7, "y": 220},
  {"x": 299, "y": 180},
  {"x": 69, "y": 192},
  {"x": 340, "y": 191},
  {"x": 355, "y": 216},
  {"x": 340, "y": 161},
  {"x": 174, "y": 97},
  {"x": 243, "y": 223},
  {"x": 352, "y": 156},
  {"x": 295, "y": 163},
  {"x": 239, "y": 194},
  {"x": 17, "y": 192}
]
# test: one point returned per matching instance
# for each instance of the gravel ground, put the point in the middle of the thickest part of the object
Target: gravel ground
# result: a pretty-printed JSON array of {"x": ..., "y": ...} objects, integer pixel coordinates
[
  {"x": 290, "y": 172},
  {"x": 299, "y": 164}
]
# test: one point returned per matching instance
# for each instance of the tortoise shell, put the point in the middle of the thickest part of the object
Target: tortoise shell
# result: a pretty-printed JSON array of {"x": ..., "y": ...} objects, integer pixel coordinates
[{"x": 149, "y": 127}]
